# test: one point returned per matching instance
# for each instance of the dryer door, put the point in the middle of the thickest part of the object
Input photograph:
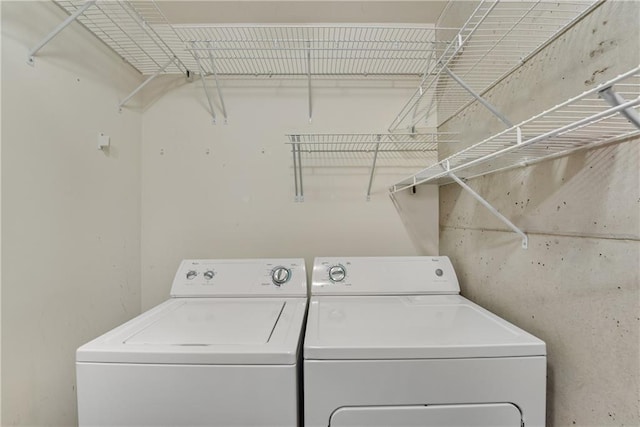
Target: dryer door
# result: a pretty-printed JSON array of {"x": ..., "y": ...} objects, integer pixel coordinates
[{"x": 479, "y": 415}]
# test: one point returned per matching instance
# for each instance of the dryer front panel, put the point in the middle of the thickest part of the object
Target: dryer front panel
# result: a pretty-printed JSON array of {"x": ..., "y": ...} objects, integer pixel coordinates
[{"x": 484, "y": 415}]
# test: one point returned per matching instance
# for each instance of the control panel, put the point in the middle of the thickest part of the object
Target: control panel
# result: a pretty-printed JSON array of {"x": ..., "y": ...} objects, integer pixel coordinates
[
  {"x": 251, "y": 277},
  {"x": 383, "y": 276}
]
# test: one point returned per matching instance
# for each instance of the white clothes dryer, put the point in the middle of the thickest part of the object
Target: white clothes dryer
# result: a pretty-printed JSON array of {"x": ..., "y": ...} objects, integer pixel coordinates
[
  {"x": 223, "y": 351},
  {"x": 391, "y": 343}
]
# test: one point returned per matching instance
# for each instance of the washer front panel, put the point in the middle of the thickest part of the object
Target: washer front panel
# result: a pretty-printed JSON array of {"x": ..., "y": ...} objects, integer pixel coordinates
[{"x": 126, "y": 395}]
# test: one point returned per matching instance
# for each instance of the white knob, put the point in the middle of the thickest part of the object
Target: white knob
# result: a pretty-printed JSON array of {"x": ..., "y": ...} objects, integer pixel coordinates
[
  {"x": 209, "y": 274},
  {"x": 337, "y": 273},
  {"x": 280, "y": 275},
  {"x": 191, "y": 274}
]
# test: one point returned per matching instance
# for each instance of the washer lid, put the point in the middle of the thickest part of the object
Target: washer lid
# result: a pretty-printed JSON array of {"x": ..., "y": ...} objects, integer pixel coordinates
[
  {"x": 205, "y": 331},
  {"x": 202, "y": 322},
  {"x": 410, "y": 327}
]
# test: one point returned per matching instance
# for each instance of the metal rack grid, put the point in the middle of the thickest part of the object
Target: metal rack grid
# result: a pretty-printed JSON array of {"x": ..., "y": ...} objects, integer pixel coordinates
[
  {"x": 345, "y": 50},
  {"x": 605, "y": 114},
  {"x": 141, "y": 34},
  {"x": 497, "y": 38},
  {"x": 136, "y": 30},
  {"x": 359, "y": 149}
]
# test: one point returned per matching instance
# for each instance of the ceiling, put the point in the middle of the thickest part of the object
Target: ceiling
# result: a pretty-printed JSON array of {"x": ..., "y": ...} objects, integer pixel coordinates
[{"x": 301, "y": 11}]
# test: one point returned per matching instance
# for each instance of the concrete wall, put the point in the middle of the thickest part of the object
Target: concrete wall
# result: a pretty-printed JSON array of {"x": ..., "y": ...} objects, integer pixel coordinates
[
  {"x": 576, "y": 287},
  {"x": 0, "y": 237},
  {"x": 228, "y": 190},
  {"x": 70, "y": 213}
]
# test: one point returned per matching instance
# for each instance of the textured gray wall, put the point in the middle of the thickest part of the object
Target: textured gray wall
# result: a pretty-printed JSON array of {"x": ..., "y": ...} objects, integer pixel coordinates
[{"x": 576, "y": 287}]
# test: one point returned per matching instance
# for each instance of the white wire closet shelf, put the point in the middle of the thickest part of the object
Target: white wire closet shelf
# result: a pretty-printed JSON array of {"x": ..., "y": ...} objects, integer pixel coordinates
[
  {"x": 141, "y": 34},
  {"x": 362, "y": 150},
  {"x": 454, "y": 66},
  {"x": 605, "y": 114},
  {"x": 496, "y": 39},
  {"x": 137, "y": 30},
  {"x": 497, "y": 33},
  {"x": 327, "y": 50}
]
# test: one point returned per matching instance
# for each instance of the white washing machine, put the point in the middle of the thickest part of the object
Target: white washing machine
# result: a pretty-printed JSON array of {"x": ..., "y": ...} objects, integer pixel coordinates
[
  {"x": 223, "y": 351},
  {"x": 391, "y": 343}
]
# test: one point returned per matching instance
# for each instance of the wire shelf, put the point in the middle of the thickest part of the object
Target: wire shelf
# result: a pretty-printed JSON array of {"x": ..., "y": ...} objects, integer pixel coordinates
[
  {"x": 367, "y": 142},
  {"x": 496, "y": 39},
  {"x": 135, "y": 30},
  {"x": 311, "y": 50},
  {"x": 337, "y": 150},
  {"x": 587, "y": 120},
  {"x": 141, "y": 34}
]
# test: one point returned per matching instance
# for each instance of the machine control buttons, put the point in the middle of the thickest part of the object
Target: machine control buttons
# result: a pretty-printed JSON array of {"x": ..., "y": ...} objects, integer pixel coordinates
[
  {"x": 280, "y": 275},
  {"x": 191, "y": 274},
  {"x": 439, "y": 272},
  {"x": 337, "y": 273},
  {"x": 209, "y": 274}
]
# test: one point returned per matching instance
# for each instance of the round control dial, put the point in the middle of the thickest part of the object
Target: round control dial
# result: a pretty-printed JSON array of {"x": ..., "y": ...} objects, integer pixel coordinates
[
  {"x": 209, "y": 274},
  {"x": 337, "y": 273},
  {"x": 280, "y": 275},
  {"x": 191, "y": 274}
]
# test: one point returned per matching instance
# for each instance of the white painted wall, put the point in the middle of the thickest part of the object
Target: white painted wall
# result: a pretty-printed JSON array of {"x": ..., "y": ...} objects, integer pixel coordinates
[
  {"x": 0, "y": 234},
  {"x": 576, "y": 287},
  {"x": 70, "y": 213},
  {"x": 238, "y": 200}
]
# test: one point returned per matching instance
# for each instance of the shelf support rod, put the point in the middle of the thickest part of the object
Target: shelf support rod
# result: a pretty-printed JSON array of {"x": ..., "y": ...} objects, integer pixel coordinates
[
  {"x": 204, "y": 85},
  {"x": 146, "y": 82},
  {"x": 62, "y": 26},
  {"x": 301, "y": 196},
  {"x": 373, "y": 167},
  {"x": 309, "y": 78},
  {"x": 615, "y": 99},
  {"x": 494, "y": 211},
  {"x": 480, "y": 99},
  {"x": 295, "y": 167},
  {"x": 218, "y": 87}
]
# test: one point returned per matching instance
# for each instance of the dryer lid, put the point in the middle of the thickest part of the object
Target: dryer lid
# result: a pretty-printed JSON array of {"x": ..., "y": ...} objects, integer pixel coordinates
[
  {"x": 410, "y": 327},
  {"x": 206, "y": 331}
]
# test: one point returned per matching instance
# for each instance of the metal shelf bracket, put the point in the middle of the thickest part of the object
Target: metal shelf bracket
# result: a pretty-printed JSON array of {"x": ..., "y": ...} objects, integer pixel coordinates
[
  {"x": 58, "y": 29},
  {"x": 297, "y": 168},
  {"x": 146, "y": 82},
  {"x": 615, "y": 99},
  {"x": 494, "y": 211},
  {"x": 218, "y": 87},
  {"x": 479, "y": 98},
  {"x": 373, "y": 166},
  {"x": 204, "y": 87},
  {"x": 309, "y": 78}
]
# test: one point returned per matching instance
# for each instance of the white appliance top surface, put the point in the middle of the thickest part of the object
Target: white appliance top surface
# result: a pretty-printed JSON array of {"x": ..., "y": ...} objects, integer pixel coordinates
[
  {"x": 383, "y": 276},
  {"x": 235, "y": 331},
  {"x": 212, "y": 322},
  {"x": 410, "y": 327},
  {"x": 276, "y": 277}
]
